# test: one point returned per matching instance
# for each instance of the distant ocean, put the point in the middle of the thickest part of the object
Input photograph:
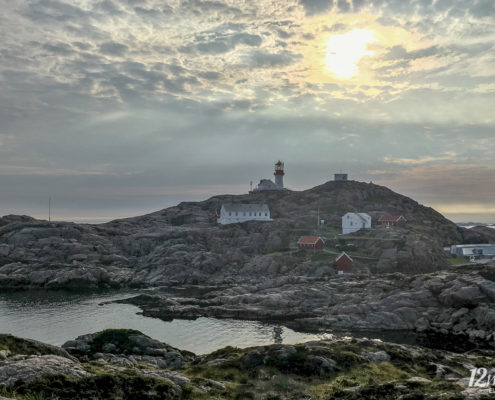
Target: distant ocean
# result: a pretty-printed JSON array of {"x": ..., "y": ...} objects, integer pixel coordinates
[{"x": 469, "y": 226}]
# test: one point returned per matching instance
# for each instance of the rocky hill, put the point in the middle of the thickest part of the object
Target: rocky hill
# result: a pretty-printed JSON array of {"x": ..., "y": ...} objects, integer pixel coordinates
[
  {"x": 125, "y": 364},
  {"x": 184, "y": 244}
]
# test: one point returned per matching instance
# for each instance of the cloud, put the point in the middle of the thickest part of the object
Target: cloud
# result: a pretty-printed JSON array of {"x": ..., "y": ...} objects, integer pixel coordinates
[
  {"x": 225, "y": 43},
  {"x": 108, "y": 6},
  {"x": 336, "y": 28},
  {"x": 54, "y": 10},
  {"x": 16, "y": 170},
  {"x": 202, "y": 6},
  {"x": 210, "y": 75},
  {"x": 343, "y": 6},
  {"x": 313, "y": 7},
  {"x": 263, "y": 59},
  {"x": 141, "y": 85},
  {"x": 58, "y": 48},
  {"x": 421, "y": 160},
  {"x": 400, "y": 53},
  {"x": 481, "y": 9},
  {"x": 113, "y": 49}
]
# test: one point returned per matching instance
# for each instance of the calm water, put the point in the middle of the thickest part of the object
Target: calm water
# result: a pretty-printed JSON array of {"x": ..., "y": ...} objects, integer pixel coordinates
[{"x": 55, "y": 317}]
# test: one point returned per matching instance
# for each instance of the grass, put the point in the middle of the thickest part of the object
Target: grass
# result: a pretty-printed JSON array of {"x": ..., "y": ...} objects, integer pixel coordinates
[
  {"x": 333, "y": 253},
  {"x": 16, "y": 345},
  {"x": 346, "y": 237},
  {"x": 458, "y": 261},
  {"x": 365, "y": 375}
]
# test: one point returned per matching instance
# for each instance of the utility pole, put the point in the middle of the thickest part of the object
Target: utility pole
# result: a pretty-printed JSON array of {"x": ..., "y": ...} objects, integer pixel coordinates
[
  {"x": 318, "y": 221},
  {"x": 49, "y": 209}
]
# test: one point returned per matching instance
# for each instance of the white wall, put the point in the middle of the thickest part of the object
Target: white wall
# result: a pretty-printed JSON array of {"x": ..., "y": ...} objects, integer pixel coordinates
[
  {"x": 353, "y": 223},
  {"x": 225, "y": 218}
]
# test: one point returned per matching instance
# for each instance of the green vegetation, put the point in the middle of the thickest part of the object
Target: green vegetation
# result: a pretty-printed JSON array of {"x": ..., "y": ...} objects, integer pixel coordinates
[
  {"x": 323, "y": 370},
  {"x": 381, "y": 239},
  {"x": 454, "y": 260},
  {"x": 119, "y": 337},
  {"x": 367, "y": 375},
  {"x": 117, "y": 386},
  {"x": 15, "y": 345}
]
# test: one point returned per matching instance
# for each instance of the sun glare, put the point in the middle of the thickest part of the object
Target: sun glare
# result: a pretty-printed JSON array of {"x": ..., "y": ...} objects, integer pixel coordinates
[{"x": 345, "y": 50}]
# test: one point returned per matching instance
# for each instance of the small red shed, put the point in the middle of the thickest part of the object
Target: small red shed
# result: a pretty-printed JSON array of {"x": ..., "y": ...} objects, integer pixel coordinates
[
  {"x": 344, "y": 262},
  {"x": 392, "y": 220},
  {"x": 310, "y": 243}
]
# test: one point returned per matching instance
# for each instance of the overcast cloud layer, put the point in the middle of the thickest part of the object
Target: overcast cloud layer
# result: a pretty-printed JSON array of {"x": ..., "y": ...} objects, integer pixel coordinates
[{"x": 118, "y": 108}]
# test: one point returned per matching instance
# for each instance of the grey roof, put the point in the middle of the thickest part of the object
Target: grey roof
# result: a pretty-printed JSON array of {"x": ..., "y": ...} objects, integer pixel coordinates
[
  {"x": 363, "y": 216},
  {"x": 230, "y": 207},
  {"x": 266, "y": 184}
]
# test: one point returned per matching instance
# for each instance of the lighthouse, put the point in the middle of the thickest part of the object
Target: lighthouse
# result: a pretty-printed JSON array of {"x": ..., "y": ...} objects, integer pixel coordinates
[
  {"x": 279, "y": 174},
  {"x": 268, "y": 184}
]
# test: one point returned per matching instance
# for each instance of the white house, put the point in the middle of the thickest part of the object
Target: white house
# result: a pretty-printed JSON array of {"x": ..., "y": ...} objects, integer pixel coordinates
[
  {"x": 352, "y": 222},
  {"x": 234, "y": 213}
]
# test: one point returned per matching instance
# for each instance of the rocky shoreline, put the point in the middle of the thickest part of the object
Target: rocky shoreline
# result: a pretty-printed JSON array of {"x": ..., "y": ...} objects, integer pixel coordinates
[
  {"x": 126, "y": 364},
  {"x": 458, "y": 304}
]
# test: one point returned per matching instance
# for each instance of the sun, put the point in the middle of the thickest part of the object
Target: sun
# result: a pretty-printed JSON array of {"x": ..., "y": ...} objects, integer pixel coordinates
[{"x": 345, "y": 50}]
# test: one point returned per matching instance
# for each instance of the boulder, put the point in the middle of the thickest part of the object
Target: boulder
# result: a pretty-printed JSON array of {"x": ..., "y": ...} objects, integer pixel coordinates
[
  {"x": 461, "y": 296},
  {"x": 377, "y": 356},
  {"x": 28, "y": 368}
]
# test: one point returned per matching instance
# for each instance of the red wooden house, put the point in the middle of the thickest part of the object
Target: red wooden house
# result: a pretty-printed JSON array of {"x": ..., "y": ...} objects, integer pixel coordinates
[
  {"x": 392, "y": 220},
  {"x": 344, "y": 262},
  {"x": 310, "y": 243}
]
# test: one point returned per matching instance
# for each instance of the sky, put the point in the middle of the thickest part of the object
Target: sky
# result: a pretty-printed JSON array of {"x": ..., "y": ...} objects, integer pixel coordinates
[{"x": 119, "y": 108}]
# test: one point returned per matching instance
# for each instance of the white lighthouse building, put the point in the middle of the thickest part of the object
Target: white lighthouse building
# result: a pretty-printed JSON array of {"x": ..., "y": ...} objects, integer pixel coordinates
[{"x": 267, "y": 184}]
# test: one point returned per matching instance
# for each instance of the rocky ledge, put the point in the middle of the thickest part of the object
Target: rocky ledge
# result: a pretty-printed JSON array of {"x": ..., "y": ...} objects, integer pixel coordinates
[
  {"x": 458, "y": 303},
  {"x": 105, "y": 366}
]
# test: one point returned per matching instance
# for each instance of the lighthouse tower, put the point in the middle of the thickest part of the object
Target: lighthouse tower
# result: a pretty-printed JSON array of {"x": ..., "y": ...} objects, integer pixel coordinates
[{"x": 279, "y": 174}]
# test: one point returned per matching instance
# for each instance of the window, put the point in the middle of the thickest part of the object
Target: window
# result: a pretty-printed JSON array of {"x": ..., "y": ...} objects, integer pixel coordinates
[
  {"x": 230, "y": 213},
  {"x": 244, "y": 213},
  {"x": 266, "y": 214},
  {"x": 236, "y": 213}
]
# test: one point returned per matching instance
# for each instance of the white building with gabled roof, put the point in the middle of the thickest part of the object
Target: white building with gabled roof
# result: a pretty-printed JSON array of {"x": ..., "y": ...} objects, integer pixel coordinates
[
  {"x": 231, "y": 213},
  {"x": 353, "y": 222}
]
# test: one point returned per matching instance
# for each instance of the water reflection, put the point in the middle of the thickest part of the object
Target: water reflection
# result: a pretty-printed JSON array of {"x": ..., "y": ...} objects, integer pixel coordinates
[
  {"x": 277, "y": 334},
  {"x": 55, "y": 317}
]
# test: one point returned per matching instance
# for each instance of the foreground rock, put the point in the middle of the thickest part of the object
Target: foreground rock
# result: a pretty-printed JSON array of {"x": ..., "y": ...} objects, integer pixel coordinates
[
  {"x": 126, "y": 347},
  {"x": 28, "y": 368},
  {"x": 329, "y": 369},
  {"x": 457, "y": 303},
  {"x": 184, "y": 244}
]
